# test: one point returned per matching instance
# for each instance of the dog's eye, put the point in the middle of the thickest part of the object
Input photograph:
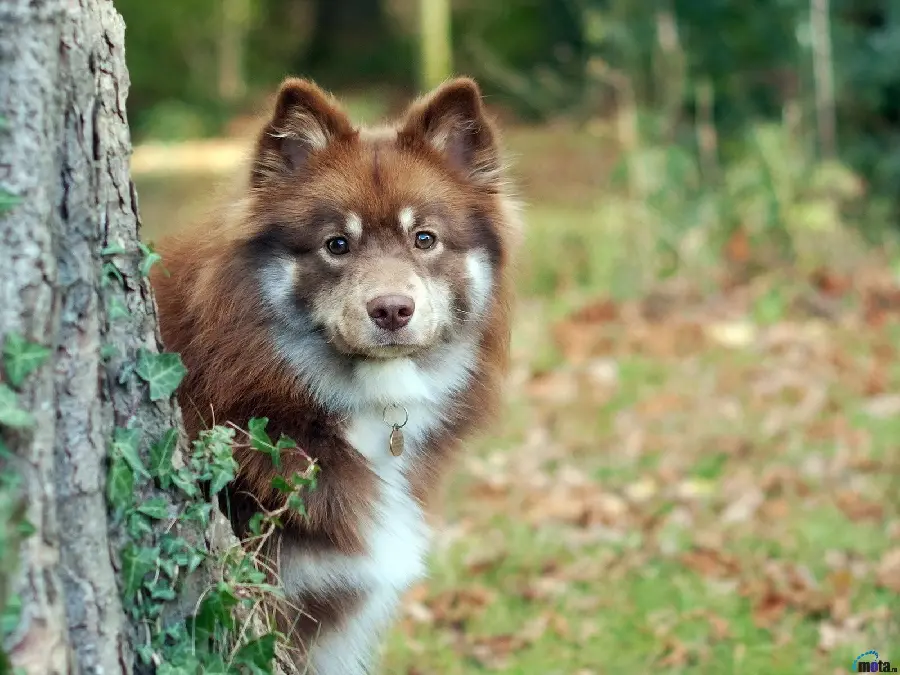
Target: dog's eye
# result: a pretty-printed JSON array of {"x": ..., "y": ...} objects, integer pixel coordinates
[
  {"x": 425, "y": 240},
  {"x": 337, "y": 246}
]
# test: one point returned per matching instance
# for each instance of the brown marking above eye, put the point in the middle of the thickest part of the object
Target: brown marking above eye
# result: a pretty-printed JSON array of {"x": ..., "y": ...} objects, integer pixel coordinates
[{"x": 425, "y": 240}]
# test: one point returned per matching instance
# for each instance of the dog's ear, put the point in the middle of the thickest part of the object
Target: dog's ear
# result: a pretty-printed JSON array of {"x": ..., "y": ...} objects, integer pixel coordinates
[
  {"x": 451, "y": 120},
  {"x": 305, "y": 121}
]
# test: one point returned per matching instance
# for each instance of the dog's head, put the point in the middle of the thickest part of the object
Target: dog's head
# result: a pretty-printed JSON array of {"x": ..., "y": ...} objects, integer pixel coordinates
[{"x": 380, "y": 243}]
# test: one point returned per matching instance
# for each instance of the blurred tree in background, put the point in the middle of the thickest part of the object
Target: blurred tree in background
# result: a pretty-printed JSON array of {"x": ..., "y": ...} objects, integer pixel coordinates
[{"x": 727, "y": 63}]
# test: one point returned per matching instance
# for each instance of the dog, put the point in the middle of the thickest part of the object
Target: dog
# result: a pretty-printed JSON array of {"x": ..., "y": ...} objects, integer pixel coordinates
[{"x": 356, "y": 291}]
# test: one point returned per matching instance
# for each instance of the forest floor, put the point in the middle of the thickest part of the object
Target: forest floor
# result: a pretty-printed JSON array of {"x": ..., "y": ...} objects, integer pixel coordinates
[{"x": 683, "y": 481}]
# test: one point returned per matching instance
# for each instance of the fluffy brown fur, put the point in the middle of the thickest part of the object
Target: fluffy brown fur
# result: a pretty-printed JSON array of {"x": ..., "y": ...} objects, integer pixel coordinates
[{"x": 309, "y": 169}]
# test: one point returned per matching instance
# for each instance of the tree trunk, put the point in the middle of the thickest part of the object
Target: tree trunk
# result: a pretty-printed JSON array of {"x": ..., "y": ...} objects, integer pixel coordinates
[
  {"x": 435, "y": 43},
  {"x": 234, "y": 20},
  {"x": 71, "y": 282}
]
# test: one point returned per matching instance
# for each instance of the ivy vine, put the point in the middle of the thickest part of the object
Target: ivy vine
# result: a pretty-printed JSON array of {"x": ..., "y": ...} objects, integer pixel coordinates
[
  {"x": 153, "y": 568},
  {"x": 21, "y": 358}
]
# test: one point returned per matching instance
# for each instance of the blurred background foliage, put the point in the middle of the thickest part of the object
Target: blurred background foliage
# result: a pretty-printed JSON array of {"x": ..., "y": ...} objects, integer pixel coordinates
[
  {"x": 194, "y": 65},
  {"x": 698, "y": 468}
]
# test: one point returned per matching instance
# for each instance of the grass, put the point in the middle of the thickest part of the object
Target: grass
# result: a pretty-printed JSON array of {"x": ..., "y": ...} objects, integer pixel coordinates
[
  {"x": 674, "y": 526},
  {"x": 707, "y": 487}
]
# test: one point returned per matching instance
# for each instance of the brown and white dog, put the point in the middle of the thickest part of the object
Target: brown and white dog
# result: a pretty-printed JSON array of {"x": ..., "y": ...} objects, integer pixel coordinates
[{"x": 359, "y": 279}]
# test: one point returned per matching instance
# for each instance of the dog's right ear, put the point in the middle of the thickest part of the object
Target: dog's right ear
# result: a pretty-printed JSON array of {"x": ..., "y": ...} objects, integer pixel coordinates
[{"x": 305, "y": 121}]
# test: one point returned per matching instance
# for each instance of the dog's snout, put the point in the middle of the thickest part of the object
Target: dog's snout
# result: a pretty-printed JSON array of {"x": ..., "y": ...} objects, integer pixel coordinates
[{"x": 391, "y": 312}]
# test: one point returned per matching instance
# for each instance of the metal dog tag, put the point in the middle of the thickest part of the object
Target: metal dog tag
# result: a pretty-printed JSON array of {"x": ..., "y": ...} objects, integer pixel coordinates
[{"x": 396, "y": 443}]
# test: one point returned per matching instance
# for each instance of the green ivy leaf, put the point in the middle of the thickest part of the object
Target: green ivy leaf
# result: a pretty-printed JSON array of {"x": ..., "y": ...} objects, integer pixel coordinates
[
  {"x": 296, "y": 503},
  {"x": 113, "y": 249},
  {"x": 145, "y": 652},
  {"x": 10, "y": 480},
  {"x": 11, "y": 415},
  {"x": 286, "y": 443},
  {"x": 169, "y": 568},
  {"x": 126, "y": 443},
  {"x": 163, "y": 372},
  {"x": 128, "y": 369},
  {"x": 120, "y": 485},
  {"x": 161, "y": 454},
  {"x": 155, "y": 508},
  {"x": 170, "y": 544},
  {"x": 280, "y": 484},
  {"x": 215, "y": 612},
  {"x": 12, "y": 614},
  {"x": 184, "y": 480},
  {"x": 25, "y": 528},
  {"x": 303, "y": 481},
  {"x": 162, "y": 592},
  {"x": 198, "y": 512},
  {"x": 21, "y": 358},
  {"x": 260, "y": 440},
  {"x": 150, "y": 258},
  {"x": 137, "y": 525},
  {"x": 110, "y": 271},
  {"x": 8, "y": 200},
  {"x": 257, "y": 655},
  {"x": 215, "y": 665},
  {"x": 117, "y": 310},
  {"x": 108, "y": 352},
  {"x": 194, "y": 558},
  {"x": 256, "y": 523},
  {"x": 220, "y": 478},
  {"x": 137, "y": 562}
]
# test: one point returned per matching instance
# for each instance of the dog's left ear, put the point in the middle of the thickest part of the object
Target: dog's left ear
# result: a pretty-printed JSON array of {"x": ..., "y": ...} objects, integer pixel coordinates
[
  {"x": 451, "y": 120},
  {"x": 305, "y": 121}
]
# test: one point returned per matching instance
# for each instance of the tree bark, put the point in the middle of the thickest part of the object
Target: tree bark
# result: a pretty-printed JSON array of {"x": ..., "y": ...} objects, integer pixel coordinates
[{"x": 64, "y": 154}]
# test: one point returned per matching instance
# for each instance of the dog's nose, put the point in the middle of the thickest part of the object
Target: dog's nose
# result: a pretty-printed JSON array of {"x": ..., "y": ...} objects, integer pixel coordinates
[{"x": 391, "y": 312}]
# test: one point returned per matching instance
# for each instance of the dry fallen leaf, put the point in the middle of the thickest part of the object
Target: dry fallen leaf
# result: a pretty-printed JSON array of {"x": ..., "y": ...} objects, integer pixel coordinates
[
  {"x": 769, "y": 609},
  {"x": 738, "y": 250},
  {"x": 481, "y": 562},
  {"x": 676, "y": 654},
  {"x": 456, "y": 606},
  {"x": 776, "y": 509},
  {"x": 494, "y": 651},
  {"x": 600, "y": 311},
  {"x": 557, "y": 386},
  {"x": 719, "y": 627},
  {"x": 830, "y": 283},
  {"x": 744, "y": 507},
  {"x": 711, "y": 563},
  {"x": 855, "y": 507},
  {"x": 888, "y": 573}
]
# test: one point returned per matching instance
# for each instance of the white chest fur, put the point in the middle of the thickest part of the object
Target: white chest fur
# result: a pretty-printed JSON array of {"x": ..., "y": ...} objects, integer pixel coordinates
[
  {"x": 396, "y": 536},
  {"x": 396, "y": 539},
  {"x": 397, "y": 543}
]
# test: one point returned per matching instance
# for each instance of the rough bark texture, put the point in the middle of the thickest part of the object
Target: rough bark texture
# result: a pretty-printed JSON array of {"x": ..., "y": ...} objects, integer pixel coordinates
[{"x": 65, "y": 154}]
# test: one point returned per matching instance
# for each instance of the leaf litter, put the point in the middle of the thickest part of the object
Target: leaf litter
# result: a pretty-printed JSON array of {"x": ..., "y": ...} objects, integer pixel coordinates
[{"x": 680, "y": 440}]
